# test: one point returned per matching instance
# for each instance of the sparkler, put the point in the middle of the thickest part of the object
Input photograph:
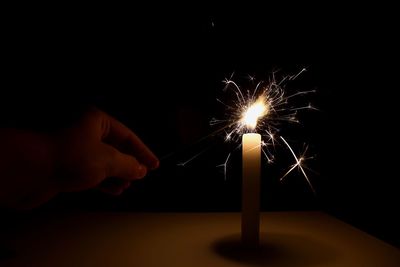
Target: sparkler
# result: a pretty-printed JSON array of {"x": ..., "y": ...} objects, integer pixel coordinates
[{"x": 264, "y": 111}]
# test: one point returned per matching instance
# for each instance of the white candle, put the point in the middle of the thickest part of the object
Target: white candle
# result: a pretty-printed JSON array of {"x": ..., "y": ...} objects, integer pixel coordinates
[{"x": 251, "y": 147}]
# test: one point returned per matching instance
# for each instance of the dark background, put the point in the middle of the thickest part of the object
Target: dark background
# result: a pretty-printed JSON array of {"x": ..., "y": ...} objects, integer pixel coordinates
[{"x": 159, "y": 70}]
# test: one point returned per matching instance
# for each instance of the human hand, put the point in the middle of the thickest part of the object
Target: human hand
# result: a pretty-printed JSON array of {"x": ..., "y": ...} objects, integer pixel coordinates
[{"x": 34, "y": 167}]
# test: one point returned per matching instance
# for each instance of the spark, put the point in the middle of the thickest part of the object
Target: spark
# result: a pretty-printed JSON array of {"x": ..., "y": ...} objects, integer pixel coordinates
[
  {"x": 239, "y": 93},
  {"x": 267, "y": 154},
  {"x": 297, "y": 75},
  {"x": 225, "y": 164},
  {"x": 251, "y": 78},
  {"x": 298, "y": 164},
  {"x": 183, "y": 164},
  {"x": 309, "y": 106}
]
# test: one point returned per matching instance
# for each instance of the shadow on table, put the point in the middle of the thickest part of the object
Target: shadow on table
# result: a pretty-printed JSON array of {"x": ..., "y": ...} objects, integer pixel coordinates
[{"x": 276, "y": 250}]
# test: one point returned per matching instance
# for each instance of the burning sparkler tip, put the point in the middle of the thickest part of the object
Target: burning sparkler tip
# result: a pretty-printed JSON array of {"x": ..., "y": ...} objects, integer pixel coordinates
[{"x": 263, "y": 110}]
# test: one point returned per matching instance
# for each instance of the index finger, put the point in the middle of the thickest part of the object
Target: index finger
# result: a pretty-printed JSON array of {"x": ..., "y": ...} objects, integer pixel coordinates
[{"x": 124, "y": 139}]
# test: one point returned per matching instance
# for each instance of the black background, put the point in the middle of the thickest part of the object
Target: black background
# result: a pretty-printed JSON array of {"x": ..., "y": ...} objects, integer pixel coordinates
[{"x": 159, "y": 70}]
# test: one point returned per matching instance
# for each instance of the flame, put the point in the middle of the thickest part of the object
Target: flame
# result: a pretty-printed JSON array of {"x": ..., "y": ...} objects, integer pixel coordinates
[{"x": 254, "y": 112}]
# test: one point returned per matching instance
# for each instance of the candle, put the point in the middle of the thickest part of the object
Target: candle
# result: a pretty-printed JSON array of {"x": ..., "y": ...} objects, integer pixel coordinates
[{"x": 251, "y": 147}]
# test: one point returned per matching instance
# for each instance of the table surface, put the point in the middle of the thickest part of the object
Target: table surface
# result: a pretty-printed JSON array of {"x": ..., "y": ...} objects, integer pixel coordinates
[{"x": 191, "y": 239}]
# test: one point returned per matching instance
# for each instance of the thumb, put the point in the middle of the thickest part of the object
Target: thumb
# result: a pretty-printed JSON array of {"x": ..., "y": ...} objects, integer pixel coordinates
[{"x": 117, "y": 164}]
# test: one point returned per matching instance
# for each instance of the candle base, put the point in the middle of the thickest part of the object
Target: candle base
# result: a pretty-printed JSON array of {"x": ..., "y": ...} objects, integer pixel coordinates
[
  {"x": 250, "y": 230},
  {"x": 250, "y": 243}
]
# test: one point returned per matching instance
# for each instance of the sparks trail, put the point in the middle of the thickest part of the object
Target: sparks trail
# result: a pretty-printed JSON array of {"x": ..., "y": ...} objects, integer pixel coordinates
[
  {"x": 298, "y": 164},
  {"x": 183, "y": 164},
  {"x": 264, "y": 111},
  {"x": 225, "y": 164},
  {"x": 297, "y": 75}
]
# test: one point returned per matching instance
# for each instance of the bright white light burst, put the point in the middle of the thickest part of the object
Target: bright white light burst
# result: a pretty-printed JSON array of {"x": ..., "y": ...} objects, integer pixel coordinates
[{"x": 254, "y": 112}]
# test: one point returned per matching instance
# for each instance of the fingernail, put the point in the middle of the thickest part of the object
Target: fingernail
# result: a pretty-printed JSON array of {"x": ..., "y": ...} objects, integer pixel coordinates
[{"x": 142, "y": 170}]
